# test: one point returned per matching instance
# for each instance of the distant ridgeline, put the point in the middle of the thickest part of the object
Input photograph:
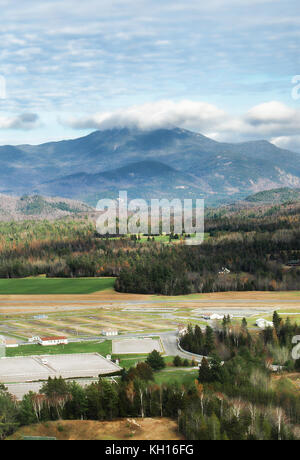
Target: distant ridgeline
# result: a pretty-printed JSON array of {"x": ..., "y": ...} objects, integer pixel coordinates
[{"x": 160, "y": 163}]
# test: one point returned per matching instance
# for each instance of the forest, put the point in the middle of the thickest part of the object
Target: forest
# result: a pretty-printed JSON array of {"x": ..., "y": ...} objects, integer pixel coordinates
[
  {"x": 258, "y": 246},
  {"x": 234, "y": 401}
]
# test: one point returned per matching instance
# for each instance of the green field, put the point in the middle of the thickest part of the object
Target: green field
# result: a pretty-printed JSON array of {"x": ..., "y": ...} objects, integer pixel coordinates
[
  {"x": 182, "y": 376},
  {"x": 102, "y": 348},
  {"x": 23, "y": 286}
]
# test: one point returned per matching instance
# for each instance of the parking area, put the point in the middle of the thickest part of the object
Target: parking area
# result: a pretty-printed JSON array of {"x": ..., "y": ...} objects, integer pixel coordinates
[
  {"x": 136, "y": 346},
  {"x": 21, "y": 389},
  {"x": 33, "y": 368}
]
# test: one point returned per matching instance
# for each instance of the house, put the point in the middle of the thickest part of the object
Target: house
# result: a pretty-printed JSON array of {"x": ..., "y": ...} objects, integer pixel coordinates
[
  {"x": 263, "y": 323},
  {"x": 213, "y": 316},
  {"x": 53, "y": 340},
  {"x": 224, "y": 271},
  {"x": 182, "y": 329},
  {"x": 108, "y": 332},
  {"x": 34, "y": 339}
]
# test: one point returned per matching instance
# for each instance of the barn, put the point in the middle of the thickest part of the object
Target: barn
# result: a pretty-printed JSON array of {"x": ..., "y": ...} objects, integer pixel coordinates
[{"x": 61, "y": 340}]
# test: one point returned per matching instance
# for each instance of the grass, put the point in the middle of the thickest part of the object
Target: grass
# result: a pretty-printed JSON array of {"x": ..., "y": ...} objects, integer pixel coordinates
[
  {"x": 131, "y": 361},
  {"x": 128, "y": 361},
  {"x": 102, "y": 348},
  {"x": 172, "y": 375},
  {"x": 22, "y": 286}
]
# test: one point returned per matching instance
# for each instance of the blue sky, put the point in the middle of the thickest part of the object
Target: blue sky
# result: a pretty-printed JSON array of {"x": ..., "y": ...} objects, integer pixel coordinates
[{"x": 223, "y": 68}]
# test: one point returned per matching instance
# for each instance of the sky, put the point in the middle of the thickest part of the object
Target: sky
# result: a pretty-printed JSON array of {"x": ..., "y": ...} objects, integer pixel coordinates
[{"x": 229, "y": 69}]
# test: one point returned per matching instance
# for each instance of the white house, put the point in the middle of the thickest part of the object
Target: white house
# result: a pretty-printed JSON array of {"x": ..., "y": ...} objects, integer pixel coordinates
[
  {"x": 182, "y": 329},
  {"x": 53, "y": 340},
  {"x": 33, "y": 339},
  {"x": 109, "y": 332},
  {"x": 263, "y": 323},
  {"x": 215, "y": 316}
]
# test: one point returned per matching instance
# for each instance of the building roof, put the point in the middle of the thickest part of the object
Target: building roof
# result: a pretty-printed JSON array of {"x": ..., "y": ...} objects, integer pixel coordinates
[{"x": 46, "y": 339}]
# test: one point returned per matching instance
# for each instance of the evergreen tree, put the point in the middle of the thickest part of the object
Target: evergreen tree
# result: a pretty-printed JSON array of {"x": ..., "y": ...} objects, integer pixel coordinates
[
  {"x": 205, "y": 375},
  {"x": 156, "y": 361}
]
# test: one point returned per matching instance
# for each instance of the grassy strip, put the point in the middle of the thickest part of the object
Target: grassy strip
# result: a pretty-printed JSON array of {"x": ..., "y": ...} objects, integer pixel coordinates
[
  {"x": 102, "y": 348},
  {"x": 23, "y": 286}
]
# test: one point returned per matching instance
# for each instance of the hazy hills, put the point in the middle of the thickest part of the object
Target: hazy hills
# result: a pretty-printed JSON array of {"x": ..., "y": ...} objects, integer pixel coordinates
[
  {"x": 280, "y": 195},
  {"x": 38, "y": 207},
  {"x": 159, "y": 163}
]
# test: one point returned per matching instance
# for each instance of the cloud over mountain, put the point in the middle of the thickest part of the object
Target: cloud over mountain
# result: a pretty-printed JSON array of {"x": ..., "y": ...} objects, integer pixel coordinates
[{"x": 271, "y": 120}]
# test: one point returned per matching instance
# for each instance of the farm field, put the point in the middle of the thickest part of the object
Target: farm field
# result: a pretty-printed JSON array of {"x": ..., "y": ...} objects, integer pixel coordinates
[
  {"x": 149, "y": 428},
  {"x": 40, "y": 285},
  {"x": 85, "y": 315}
]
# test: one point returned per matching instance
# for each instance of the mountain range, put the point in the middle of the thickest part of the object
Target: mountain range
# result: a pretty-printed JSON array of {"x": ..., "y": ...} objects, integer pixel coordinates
[{"x": 161, "y": 163}]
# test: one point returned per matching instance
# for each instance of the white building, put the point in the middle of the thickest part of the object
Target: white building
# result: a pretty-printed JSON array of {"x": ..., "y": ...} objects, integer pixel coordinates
[
  {"x": 215, "y": 316},
  {"x": 263, "y": 323},
  {"x": 182, "y": 329},
  {"x": 52, "y": 340},
  {"x": 108, "y": 332},
  {"x": 33, "y": 339}
]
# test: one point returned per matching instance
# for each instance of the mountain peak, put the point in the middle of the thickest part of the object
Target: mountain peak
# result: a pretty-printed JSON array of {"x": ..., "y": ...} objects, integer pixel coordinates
[{"x": 160, "y": 159}]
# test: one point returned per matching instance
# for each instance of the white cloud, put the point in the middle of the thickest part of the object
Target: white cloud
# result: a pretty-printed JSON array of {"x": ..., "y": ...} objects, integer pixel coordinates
[
  {"x": 272, "y": 120},
  {"x": 271, "y": 112},
  {"x": 24, "y": 121},
  {"x": 159, "y": 114},
  {"x": 287, "y": 142}
]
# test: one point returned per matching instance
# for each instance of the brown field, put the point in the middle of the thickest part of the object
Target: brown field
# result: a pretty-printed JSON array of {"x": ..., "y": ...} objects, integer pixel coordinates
[
  {"x": 111, "y": 295},
  {"x": 123, "y": 429},
  {"x": 85, "y": 315}
]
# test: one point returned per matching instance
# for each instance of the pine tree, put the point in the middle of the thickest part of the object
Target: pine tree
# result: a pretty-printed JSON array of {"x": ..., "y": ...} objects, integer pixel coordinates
[
  {"x": 155, "y": 360},
  {"x": 244, "y": 324},
  {"x": 204, "y": 372},
  {"x": 209, "y": 340},
  {"x": 276, "y": 321}
]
